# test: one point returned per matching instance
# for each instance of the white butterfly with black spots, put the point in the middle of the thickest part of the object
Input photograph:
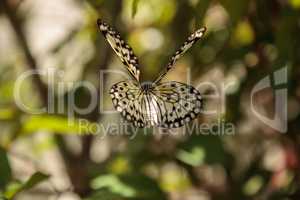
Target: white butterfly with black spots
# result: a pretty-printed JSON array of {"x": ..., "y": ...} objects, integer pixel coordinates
[{"x": 162, "y": 104}]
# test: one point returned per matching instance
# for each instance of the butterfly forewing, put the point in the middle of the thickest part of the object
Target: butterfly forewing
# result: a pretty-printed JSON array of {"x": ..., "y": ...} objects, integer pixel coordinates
[
  {"x": 122, "y": 49},
  {"x": 126, "y": 97},
  {"x": 192, "y": 39}
]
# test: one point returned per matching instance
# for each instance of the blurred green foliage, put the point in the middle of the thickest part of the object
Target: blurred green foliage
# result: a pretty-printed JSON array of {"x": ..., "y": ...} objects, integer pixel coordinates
[
  {"x": 245, "y": 42},
  {"x": 15, "y": 187}
]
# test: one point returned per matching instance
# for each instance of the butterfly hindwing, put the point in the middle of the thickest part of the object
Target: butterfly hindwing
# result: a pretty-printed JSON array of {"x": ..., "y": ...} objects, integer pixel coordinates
[
  {"x": 181, "y": 103},
  {"x": 169, "y": 105},
  {"x": 122, "y": 49},
  {"x": 126, "y": 98}
]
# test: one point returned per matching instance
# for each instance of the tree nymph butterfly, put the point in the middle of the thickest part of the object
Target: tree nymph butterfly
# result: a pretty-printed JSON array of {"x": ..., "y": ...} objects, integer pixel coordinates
[{"x": 163, "y": 104}]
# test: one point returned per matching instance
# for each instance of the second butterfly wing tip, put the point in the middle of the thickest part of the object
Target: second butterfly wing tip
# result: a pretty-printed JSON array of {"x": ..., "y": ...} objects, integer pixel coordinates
[{"x": 199, "y": 33}]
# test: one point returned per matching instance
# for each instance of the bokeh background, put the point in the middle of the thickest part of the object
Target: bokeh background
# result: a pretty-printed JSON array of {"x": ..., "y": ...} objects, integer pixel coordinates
[{"x": 44, "y": 157}]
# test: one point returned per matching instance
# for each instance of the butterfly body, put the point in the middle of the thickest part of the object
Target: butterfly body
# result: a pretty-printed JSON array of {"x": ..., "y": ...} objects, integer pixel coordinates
[
  {"x": 162, "y": 104},
  {"x": 146, "y": 86}
]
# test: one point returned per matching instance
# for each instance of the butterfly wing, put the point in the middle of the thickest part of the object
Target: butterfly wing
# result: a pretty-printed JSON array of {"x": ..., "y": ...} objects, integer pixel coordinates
[
  {"x": 123, "y": 50},
  {"x": 126, "y": 97},
  {"x": 192, "y": 39},
  {"x": 178, "y": 104}
]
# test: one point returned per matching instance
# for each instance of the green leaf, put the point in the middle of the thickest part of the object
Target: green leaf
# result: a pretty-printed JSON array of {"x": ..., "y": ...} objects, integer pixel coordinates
[
  {"x": 134, "y": 7},
  {"x": 5, "y": 170},
  {"x": 12, "y": 189},
  {"x": 55, "y": 124},
  {"x": 17, "y": 187},
  {"x": 195, "y": 157},
  {"x": 34, "y": 180},
  {"x": 114, "y": 184},
  {"x": 253, "y": 185},
  {"x": 129, "y": 186},
  {"x": 202, "y": 149},
  {"x": 2, "y": 197}
]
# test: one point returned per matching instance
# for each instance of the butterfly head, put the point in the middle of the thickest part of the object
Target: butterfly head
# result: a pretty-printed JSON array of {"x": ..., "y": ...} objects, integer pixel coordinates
[{"x": 146, "y": 86}]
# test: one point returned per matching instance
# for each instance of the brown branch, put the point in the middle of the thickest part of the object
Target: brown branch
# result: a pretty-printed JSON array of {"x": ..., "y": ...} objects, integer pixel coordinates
[
  {"x": 101, "y": 64},
  {"x": 42, "y": 88},
  {"x": 95, "y": 115},
  {"x": 16, "y": 24},
  {"x": 77, "y": 165}
]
